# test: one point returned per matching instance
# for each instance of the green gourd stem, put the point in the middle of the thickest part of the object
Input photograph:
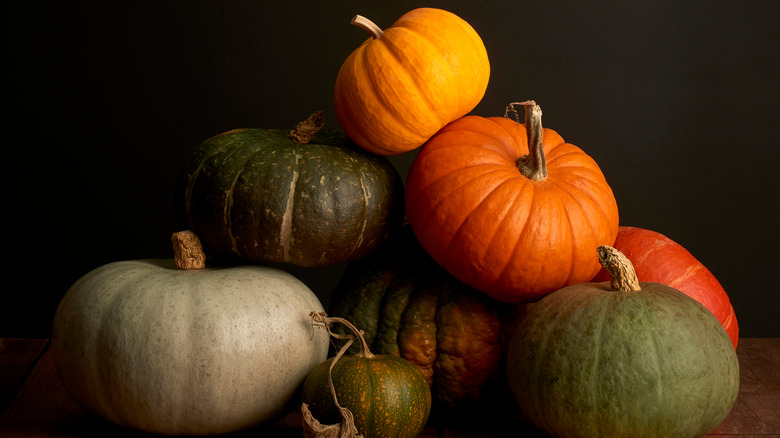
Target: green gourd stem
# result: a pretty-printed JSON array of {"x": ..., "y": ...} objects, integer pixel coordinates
[
  {"x": 367, "y": 25},
  {"x": 305, "y": 131},
  {"x": 533, "y": 165},
  {"x": 188, "y": 251},
  {"x": 622, "y": 276}
]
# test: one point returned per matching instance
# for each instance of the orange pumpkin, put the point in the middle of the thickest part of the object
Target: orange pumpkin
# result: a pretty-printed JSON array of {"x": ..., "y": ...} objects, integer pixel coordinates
[
  {"x": 510, "y": 208},
  {"x": 405, "y": 83}
]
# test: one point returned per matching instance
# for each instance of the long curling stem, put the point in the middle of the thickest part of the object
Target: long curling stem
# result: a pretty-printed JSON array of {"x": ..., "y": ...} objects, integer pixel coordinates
[
  {"x": 327, "y": 321},
  {"x": 348, "y": 428}
]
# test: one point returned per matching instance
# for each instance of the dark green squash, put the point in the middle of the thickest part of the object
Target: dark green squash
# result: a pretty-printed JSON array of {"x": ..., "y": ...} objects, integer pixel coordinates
[
  {"x": 409, "y": 306},
  {"x": 386, "y": 395},
  {"x": 625, "y": 359},
  {"x": 306, "y": 197}
]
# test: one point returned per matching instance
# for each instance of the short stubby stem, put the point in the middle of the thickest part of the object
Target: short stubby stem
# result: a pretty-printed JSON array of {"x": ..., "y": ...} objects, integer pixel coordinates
[
  {"x": 305, "y": 131},
  {"x": 621, "y": 270},
  {"x": 188, "y": 251}
]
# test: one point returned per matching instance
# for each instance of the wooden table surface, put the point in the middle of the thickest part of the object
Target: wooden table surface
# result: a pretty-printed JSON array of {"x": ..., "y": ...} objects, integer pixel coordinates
[{"x": 34, "y": 403}]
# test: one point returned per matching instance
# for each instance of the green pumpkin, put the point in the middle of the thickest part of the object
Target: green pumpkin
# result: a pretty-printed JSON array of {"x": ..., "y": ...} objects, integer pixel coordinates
[
  {"x": 624, "y": 359},
  {"x": 267, "y": 195},
  {"x": 409, "y": 306},
  {"x": 387, "y": 395}
]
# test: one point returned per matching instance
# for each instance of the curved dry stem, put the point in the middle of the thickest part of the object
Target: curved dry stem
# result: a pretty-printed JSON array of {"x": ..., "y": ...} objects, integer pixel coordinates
[
  {"x": 510, "y": 108},
  {"x": 305, "y": 131},
  {"x": 367, "y": 25},
  {"x": 621, "y": 270},
  {"x": 534, "y": 165},
  {"x": 347, "y": 428},
  {"x": 327, "y": 321}
]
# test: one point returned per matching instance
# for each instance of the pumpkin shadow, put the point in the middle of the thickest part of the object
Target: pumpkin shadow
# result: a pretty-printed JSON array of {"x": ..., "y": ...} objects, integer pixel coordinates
[
  {"x": 78, "y": 422},
  {"x": 500, "y": 416},
  {"x": 87, "y": 425}
]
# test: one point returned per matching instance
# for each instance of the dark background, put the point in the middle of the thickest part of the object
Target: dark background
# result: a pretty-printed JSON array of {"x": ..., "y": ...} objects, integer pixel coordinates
[{"x": 676, "y": 100}]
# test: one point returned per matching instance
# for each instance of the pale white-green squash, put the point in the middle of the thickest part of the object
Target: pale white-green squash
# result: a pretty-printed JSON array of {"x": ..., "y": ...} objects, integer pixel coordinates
[{"x": 186, "y": 352}]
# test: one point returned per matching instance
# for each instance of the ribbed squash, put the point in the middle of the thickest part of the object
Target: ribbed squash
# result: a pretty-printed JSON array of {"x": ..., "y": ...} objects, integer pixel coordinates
[
  {"x": 411, "y": 307},
  {"x": 306, "y": 197},
  {"x": 622, "y": 359},
  {"x": 405, "y": 83},
  {"x": 385, "y": 394},
  {"x": 659, "y": 259},
  {"x": 173, "y": 349},
  {"x": 509, "y": 208}
]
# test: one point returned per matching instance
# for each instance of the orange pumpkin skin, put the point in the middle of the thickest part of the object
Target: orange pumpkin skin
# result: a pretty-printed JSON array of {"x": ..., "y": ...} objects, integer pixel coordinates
[
  {"x": 659, "y": 259},
  {"x": 512, "y": 237},
  {"x": 395, "y": 91}
]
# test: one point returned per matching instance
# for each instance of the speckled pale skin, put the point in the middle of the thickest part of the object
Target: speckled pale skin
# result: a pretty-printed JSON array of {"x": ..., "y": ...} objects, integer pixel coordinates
[{"x": 186, "y": 352}]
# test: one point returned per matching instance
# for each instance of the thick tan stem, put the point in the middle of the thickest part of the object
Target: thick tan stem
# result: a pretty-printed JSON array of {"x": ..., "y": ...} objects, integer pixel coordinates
[
  {"x": 620, "y": 269},
  {"x": 367, "y": 25},
  {"x": 533, "y": 165},
  {"x": 307, "y": 129},
  {"x": 188, "y": 251}
]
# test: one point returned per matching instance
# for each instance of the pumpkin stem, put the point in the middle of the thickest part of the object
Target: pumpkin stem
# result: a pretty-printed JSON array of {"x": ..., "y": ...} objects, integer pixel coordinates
[
  {"x": 367, "y": 25},
  {"x": 307, "y": 129},
  {"x": 621, "y": 270},
  {"x": 188, "y": 251},
  {"x": 533, "y": 165},
  {"x": 347, "y": 428},
  {"x": 314, "y": 429},
  {"x": 327, "y": 321}
]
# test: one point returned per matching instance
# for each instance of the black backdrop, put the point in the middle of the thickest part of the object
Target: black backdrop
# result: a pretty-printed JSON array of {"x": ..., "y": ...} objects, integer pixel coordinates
[{"x": 676, "y": 100}]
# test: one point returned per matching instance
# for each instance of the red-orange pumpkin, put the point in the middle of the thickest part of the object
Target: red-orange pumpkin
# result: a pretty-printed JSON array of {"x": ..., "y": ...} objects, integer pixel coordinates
[
  {"x": 659, "y": 259},
  {"x": 513, "y": 212}
]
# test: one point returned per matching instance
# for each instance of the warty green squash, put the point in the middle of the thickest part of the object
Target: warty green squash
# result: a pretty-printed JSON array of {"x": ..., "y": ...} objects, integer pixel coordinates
[{"x": 409, "y": 306}]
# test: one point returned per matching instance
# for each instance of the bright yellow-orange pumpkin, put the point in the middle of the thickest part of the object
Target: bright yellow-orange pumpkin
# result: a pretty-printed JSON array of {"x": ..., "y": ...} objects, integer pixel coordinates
[
  {"x": 514, "y": 224},
  {"x": 405, "y": 83}
]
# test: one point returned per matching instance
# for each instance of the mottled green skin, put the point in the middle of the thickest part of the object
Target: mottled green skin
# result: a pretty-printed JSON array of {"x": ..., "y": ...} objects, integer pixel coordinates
[
  {"x": 258, "y": 195},
  {"x": 387, "y": 395},
  {"x": 409, "y": 306},
  {"x": 590, "y": 362}
]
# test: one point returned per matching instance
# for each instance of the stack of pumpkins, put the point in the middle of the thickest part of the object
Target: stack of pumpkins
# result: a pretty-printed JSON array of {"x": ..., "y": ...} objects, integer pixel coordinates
[{"x": 488, "y": 285}]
